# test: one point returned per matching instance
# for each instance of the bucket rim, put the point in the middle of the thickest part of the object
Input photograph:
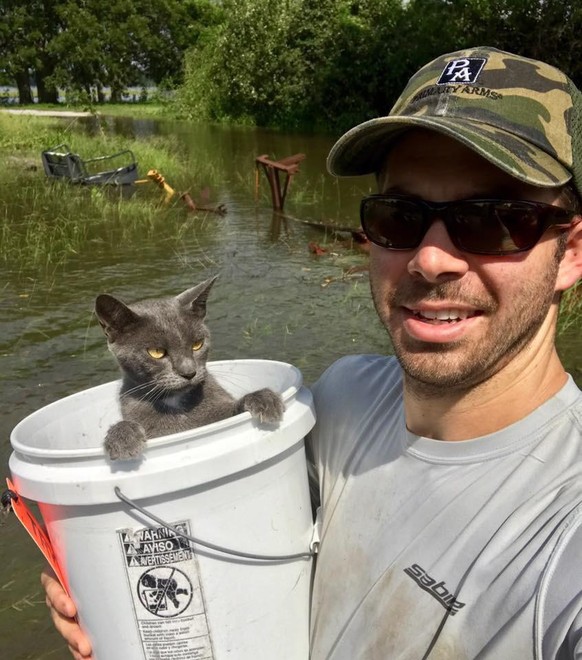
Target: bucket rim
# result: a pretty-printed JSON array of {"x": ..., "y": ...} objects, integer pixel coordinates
[{"x": 242, "y": 419}]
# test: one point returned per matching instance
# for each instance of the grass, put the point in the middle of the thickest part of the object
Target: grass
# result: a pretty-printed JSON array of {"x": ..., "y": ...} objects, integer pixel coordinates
[
  {"x": 44, "y": 222},
  {"x": 571, "y": 309},
  {"x": 50, "y": 222},
  {"x": 24, "y": 137},
  {"x": 145, "y": 109}
]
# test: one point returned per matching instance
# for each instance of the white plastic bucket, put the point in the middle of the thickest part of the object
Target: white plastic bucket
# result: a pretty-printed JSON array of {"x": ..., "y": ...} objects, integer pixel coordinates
[{"x": 141, "y": 591}]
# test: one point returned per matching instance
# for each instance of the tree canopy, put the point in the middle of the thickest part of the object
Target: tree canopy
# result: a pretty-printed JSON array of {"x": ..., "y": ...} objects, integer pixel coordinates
[
  {"x": 330, "y": 63},
  {"x": 84, "y": 46},
  {"x": 318, "y": 64}
]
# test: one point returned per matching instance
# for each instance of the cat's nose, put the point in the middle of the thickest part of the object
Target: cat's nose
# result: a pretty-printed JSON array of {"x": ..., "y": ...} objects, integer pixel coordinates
[{"x": 188, "y": 374}]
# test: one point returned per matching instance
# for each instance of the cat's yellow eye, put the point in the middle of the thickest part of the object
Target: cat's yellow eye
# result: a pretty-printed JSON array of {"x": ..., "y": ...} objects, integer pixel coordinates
[
  {"x": 198, "y": 345},
  {"x": 156, "y": 353}
]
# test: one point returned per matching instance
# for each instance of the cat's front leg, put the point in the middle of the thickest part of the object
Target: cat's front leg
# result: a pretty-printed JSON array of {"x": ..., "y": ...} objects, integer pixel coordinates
[
  {"x": 125, "y": 440},
  {"x": 267, "y": 406}
]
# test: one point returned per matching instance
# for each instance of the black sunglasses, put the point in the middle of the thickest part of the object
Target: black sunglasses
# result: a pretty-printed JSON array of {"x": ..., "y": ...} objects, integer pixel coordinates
[{"x": 479, "y": 226}]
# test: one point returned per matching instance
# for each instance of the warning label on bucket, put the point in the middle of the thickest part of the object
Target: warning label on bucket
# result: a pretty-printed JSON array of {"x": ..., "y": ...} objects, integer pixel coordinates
[{"x": 167, "y": 596}]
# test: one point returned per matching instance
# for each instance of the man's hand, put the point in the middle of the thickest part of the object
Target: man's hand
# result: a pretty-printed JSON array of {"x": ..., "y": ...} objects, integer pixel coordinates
[{"x": 63, "y": 613}]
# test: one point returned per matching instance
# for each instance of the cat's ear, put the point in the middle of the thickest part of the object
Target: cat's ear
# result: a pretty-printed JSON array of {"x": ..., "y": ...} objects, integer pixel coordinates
[
  {"x": 196, "y": 297},
  {"x": 113, "y": 315}
]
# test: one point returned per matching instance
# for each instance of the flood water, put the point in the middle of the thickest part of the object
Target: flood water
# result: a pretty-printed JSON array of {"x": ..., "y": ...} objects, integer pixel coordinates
[{"x": 275, "y": 298}]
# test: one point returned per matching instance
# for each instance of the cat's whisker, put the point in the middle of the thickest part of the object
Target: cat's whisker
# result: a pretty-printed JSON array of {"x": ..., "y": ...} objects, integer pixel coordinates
[
  {"x": 227, "y": 374},
  {"x": 155, "y": 393},
  {"x": 138, "y": 388},
  {"x": 230, "y": 378}
]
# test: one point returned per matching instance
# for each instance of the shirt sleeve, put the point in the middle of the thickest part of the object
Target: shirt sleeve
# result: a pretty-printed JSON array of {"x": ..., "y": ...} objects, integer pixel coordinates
[{"x": 560, "y": 610}]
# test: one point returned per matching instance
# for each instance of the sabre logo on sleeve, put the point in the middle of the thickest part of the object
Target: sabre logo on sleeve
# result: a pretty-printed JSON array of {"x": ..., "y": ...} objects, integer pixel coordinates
[{"x": 465, "y": 70}]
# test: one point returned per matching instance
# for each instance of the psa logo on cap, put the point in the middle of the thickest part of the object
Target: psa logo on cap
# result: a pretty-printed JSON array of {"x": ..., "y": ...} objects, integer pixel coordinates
[{"x": 465, "y": 70}]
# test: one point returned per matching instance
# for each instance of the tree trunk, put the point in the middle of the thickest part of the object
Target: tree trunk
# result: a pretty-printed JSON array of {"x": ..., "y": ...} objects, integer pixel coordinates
[
  {"x": 24, "y": 90},
  {"x": 46, "y": 93},
  {"x": 115, "y": 94}
]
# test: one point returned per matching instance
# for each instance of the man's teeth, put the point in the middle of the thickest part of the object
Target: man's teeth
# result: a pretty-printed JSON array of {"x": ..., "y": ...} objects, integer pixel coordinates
[{"x": 443, "y": 314}]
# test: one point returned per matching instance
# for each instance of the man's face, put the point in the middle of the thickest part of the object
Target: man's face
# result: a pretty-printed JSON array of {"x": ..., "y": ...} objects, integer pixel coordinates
[{"x": 456, "y": 319}]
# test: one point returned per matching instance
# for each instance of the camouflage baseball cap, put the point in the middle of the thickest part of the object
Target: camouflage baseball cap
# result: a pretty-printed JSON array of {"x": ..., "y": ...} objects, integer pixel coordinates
[{"x": 522, "y": 115}]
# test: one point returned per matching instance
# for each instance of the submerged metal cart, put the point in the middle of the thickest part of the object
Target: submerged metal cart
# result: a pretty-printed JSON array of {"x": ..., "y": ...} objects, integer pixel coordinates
[{"x": 117, "y": 169}]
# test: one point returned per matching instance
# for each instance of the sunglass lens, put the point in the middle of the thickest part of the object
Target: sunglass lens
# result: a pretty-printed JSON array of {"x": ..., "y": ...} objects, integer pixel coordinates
[
  {"x": 392, "y": 223},
  {"x": 495, "y": 227},
  {"x": 522, "y": 223}
]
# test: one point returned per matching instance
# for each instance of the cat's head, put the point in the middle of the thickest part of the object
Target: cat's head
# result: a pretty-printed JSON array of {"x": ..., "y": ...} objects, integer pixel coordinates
[{"x": 162, "y": 342}]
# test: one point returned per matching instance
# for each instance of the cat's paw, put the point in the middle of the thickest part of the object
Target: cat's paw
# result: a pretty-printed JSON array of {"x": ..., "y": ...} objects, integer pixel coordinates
[
  {"x": 124, "y": 440},
  {"x": 265, "y": 405}
]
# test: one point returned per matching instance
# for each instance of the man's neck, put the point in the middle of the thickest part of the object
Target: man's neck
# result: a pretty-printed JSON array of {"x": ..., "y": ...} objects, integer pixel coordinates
[{"x": 508, "y": 396}]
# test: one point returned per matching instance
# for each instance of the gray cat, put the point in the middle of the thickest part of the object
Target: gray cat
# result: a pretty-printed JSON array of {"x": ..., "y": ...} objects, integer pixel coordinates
[{"x": 162, "y": 347}]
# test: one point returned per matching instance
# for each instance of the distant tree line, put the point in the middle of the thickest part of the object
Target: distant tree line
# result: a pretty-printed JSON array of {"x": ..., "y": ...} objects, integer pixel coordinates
[
  {"x": 318, "y": 64},
  {"x": 85, "y": 46}
]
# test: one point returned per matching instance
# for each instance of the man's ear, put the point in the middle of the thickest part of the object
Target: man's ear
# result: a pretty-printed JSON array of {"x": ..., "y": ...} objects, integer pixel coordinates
[{"x": 570, "y": 270}]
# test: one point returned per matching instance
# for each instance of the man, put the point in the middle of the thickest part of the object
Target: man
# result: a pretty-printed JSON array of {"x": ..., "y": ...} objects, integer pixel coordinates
[{"x": 451, "y": 477}]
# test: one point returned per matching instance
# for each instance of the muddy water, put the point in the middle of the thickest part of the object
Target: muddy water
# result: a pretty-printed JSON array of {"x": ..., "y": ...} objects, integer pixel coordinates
[{"x": 274, "y": 299}]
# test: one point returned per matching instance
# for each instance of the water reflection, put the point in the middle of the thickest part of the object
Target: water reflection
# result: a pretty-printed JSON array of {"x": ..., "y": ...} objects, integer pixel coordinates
[{"x": 124, "y": 126}]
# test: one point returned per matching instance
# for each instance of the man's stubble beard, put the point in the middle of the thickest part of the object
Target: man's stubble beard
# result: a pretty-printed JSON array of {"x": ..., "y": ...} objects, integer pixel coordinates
[{"x": 458, "y": 366}]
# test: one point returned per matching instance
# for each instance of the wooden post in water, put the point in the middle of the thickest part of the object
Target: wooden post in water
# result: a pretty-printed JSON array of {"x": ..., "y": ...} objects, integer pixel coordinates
[{"x": 289, "y": 166}]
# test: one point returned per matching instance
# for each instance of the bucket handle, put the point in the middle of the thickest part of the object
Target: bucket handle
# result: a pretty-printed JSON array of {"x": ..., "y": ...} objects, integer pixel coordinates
[{"x": 212, "y": 546}]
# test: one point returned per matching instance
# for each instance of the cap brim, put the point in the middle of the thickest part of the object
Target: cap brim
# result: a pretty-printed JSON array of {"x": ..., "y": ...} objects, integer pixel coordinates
[{"x": 363, "y": 149}]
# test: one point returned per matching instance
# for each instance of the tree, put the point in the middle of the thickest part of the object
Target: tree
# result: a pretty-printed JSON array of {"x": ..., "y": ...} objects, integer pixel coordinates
[
  {"x": 96, "y": 48},
  {"x": 253, "y": 67},
  {"x": 173, "y": 27},
  {"x": 25, "y": 29},
  {"x": 85, "y": 46},
  {"x": 361, "y": 59},
  {"x": 549, "y": 30},
  {"x": 298, "y": 63}
]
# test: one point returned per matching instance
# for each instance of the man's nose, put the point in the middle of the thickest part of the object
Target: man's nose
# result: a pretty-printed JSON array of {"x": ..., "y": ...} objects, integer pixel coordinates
[{"x": 436, "y": 259}]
